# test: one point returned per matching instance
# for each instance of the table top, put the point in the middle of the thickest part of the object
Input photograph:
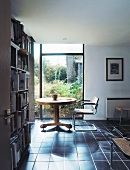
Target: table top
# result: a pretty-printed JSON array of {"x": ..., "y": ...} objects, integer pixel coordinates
[
  {"x": 123, "y": 144},
  {"x": 123, "y": 108},
  {"x": 59, "y": 101}
]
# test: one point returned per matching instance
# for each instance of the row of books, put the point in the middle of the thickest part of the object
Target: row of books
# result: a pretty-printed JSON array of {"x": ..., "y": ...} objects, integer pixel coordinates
[
  {"x": 18, "y": 35},
  {"x": 19, "y": 80},
  {"x": 18, "y": 144}
]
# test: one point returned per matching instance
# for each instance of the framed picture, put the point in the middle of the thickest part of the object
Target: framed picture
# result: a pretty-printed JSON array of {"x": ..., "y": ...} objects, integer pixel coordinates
[{"x": 114, "y": 69}]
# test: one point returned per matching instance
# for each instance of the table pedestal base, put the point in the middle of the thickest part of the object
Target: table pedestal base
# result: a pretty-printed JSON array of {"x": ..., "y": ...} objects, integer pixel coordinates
[{"x": 69, "y": 126}]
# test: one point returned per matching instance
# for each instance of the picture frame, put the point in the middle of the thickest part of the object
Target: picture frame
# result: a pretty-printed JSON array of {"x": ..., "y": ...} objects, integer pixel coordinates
[{"x": 114, "y": 69}]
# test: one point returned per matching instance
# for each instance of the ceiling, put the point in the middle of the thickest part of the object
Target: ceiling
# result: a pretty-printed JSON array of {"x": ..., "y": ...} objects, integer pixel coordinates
[{"x": 91, "y": 22}]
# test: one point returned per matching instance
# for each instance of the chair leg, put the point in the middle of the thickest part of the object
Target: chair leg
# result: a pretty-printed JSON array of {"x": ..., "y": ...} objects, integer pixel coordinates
[
  {"x": 90, "y": 127},
  {"x": 111, "y": 155},
  {"x": 74, "y": 120}
]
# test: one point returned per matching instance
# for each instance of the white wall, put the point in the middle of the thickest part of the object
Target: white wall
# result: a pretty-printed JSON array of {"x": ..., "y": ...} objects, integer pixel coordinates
[{"x": 95, "y": 76}]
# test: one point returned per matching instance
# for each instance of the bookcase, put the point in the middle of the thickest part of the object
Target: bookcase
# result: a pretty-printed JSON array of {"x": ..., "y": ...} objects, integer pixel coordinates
[{"x": 21, "y": 55}]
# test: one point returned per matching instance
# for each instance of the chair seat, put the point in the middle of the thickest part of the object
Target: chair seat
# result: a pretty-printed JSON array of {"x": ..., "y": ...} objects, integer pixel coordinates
[
  {"x": 90, "y": 110},
  {"x": 83, "y": 111}
]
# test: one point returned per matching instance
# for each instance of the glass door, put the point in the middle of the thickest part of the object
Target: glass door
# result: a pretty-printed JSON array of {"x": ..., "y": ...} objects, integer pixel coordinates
[
  {"x": 62, "y": 73},
  {"x": 62, "y": 76}
]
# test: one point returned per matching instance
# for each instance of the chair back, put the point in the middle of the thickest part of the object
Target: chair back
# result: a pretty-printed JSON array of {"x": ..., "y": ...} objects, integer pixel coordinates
[{"x": 95, "y": 100}]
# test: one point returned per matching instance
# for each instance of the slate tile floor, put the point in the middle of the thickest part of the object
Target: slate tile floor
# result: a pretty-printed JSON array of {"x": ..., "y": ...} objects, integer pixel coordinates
[{"x": 66, "y": 150}]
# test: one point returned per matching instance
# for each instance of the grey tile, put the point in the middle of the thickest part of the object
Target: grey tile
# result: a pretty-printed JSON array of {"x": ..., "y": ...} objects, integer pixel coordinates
[
  {"x": 72, "y": 165},
  {"x": 76, "y": 151},
  {"x": 56, "y": 166},
  {"x": 102, "y": 165},
  {"x": 58, "y": 149},
  {"x": 127, "y": 163},
  {"x": 71, "y": 156},
  {"x": 87, "y": 165},
  {"x": 123, "y": 157},
  {"x": 46, "y": 144},
  {"x": 115, "y": 156},
  {"x": 119, "y": 165},
  {"x": 83, "y": 149},
  {"x": 98, "y": 156},
  {"x": 33, "y": 150},
  {"x": 70, "y": 150},
  {"x": 84, "y": 156},
  {"x": 43, "y": 157},
  {"x": 41, "y": 165},
  {"x": 57, "y": 157}
]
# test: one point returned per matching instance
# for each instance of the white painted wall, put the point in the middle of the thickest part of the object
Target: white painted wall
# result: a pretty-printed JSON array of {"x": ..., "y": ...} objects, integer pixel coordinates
[{"x": 95, "y": 76}]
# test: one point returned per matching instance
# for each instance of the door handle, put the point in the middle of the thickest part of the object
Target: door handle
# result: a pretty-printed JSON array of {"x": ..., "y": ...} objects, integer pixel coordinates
[
  {"x": 7, "y": 119},
  {"x": 7, "y": 116}
]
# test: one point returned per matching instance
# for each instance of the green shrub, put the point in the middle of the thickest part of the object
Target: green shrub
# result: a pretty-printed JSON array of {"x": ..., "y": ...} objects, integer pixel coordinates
[
  {"x": 76, "y": 90},
  {"x": 58, "y": 87}
]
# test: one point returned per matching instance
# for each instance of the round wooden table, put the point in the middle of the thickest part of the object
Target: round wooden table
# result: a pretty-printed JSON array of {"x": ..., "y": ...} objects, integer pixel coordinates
[{"x": 56, "y": 103}]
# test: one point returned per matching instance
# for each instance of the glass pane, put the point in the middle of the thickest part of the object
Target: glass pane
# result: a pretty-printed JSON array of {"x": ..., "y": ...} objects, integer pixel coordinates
[
  {"x": 36, "y": 76},
  {"x": 62, "y": 48},
  {"x": 62, "y": 75}
]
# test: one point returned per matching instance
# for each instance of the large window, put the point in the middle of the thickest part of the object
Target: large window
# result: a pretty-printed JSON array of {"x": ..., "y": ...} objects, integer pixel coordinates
[
  {"x": 62, "y": 48},
  {"x": 62, "y": 73}
]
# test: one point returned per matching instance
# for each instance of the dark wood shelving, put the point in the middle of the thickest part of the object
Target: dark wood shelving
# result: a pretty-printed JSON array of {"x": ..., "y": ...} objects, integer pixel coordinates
[{"x": 19, "y": 91}]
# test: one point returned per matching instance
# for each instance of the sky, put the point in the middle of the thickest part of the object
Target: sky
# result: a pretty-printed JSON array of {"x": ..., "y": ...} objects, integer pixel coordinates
[
  {"x": 61, "y": 60},
  {"x": 61, "y": 48}
]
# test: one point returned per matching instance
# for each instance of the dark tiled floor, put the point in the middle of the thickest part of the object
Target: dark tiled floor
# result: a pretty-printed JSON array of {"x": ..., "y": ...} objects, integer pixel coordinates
[{"x": 69, "y": 150}]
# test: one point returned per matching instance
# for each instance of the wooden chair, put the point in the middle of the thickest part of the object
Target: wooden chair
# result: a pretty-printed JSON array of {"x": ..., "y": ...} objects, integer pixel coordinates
[{"x": 90, "y": 110}]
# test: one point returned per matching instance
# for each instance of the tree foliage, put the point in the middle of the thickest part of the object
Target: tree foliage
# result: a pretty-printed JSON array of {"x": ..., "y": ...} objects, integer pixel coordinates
[
  {"x": 52, "y": 73},
  {"x": 55, "y": 79}
]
